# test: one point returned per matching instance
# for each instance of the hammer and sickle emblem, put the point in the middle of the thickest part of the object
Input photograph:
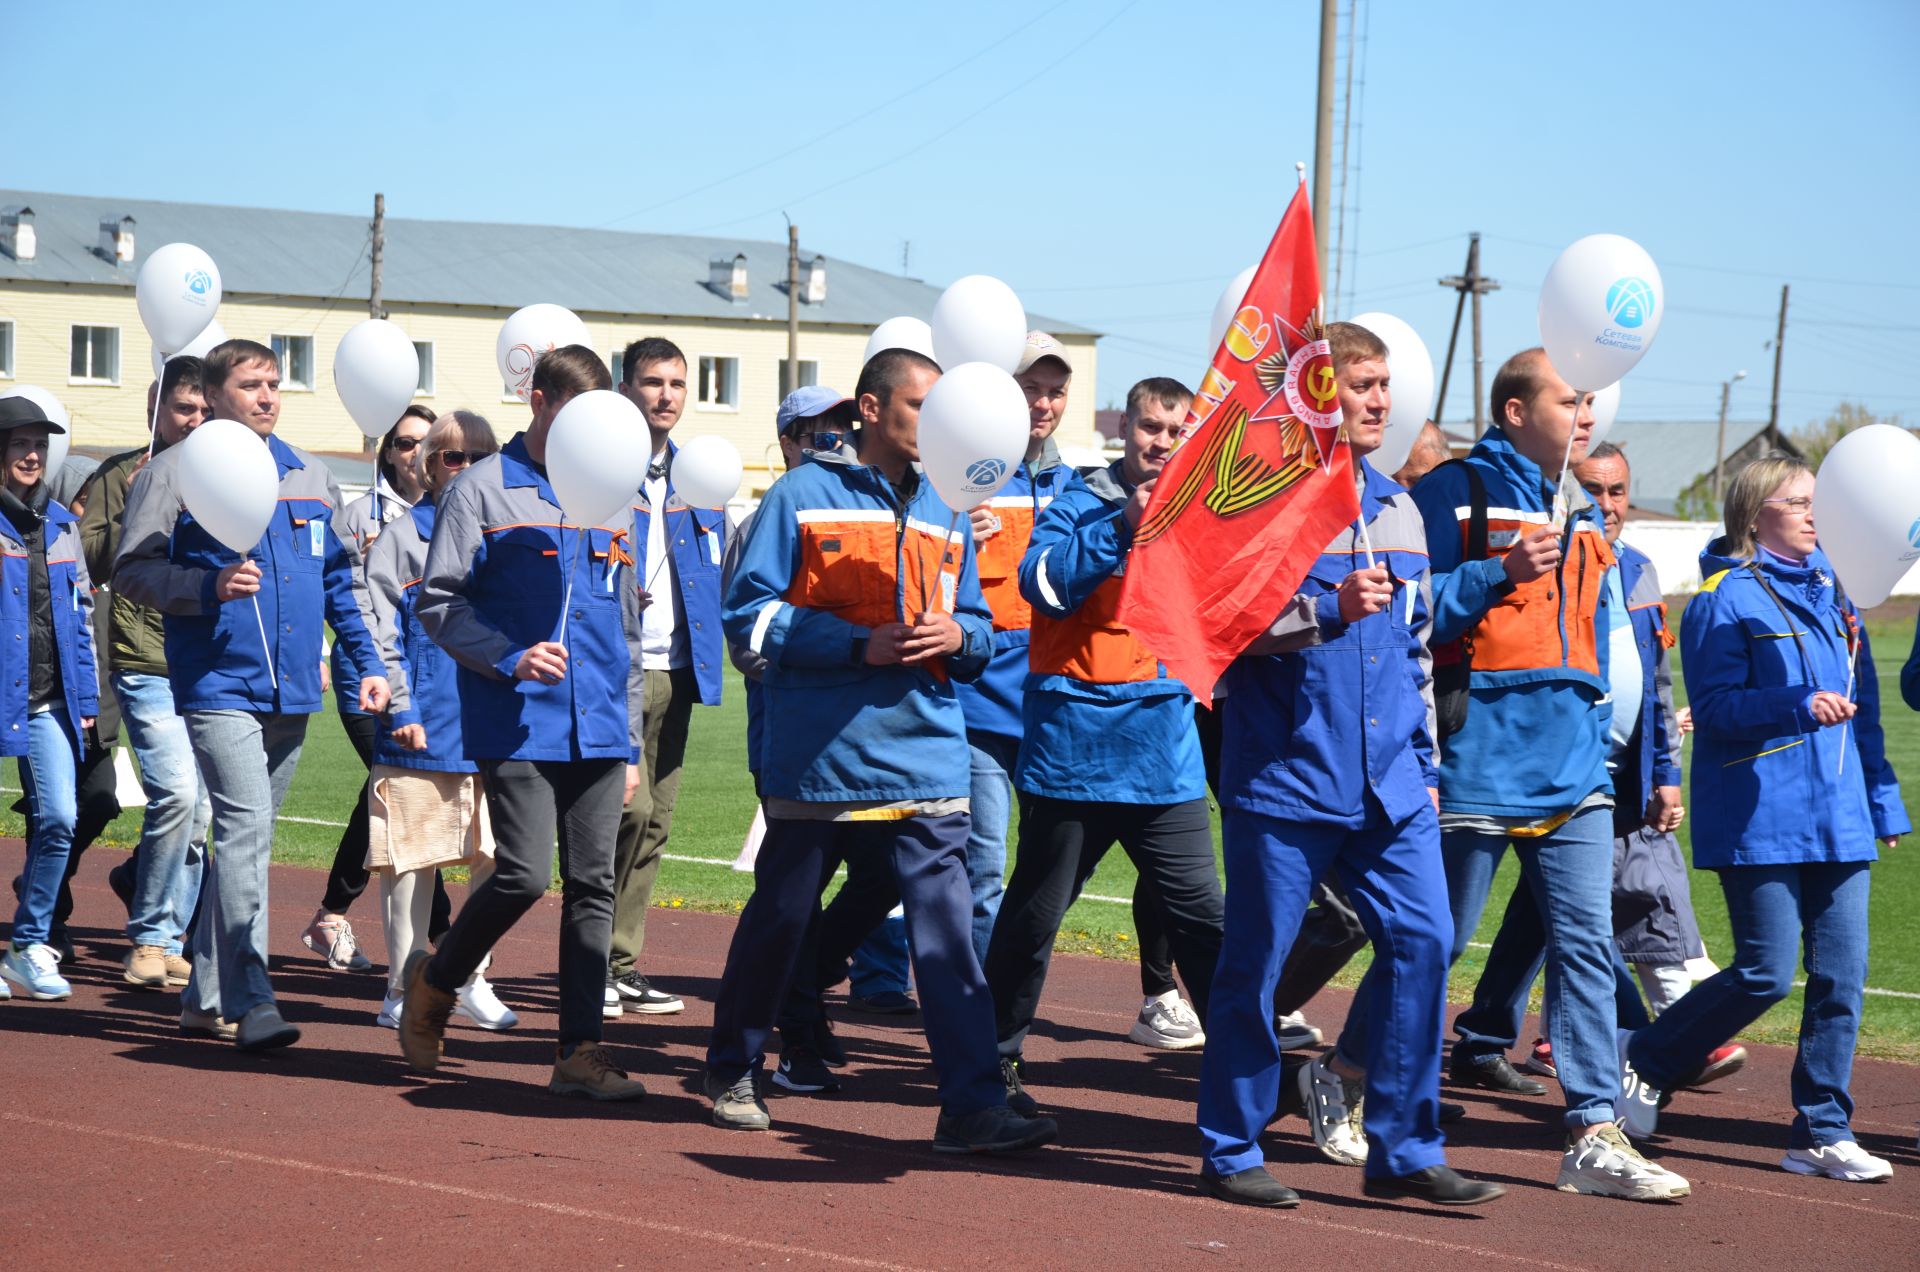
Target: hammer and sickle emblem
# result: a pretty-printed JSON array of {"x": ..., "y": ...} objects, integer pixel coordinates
[{"x": 1322, "y": 386}]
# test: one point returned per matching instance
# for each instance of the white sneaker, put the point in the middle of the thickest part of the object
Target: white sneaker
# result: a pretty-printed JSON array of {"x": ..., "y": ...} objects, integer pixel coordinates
[
  {"x": 1333, "y": 1107},
  {"x": 389, "y": 1017},
  {"x": 611, "y": 1008},
  {"x": 1293, "y": 1033},
  {"x": 477, "y": 1004},
  {"x": 1605, "y": 1163},
  {"x": 1638, "y": 1105},
  {"x": 1845, "y": 1160},
  {"x": 1167, "y": 1023}
]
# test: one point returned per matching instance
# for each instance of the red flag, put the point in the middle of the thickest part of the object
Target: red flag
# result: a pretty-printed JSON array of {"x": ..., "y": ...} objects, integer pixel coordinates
[{"x": 1258, "y": 486}]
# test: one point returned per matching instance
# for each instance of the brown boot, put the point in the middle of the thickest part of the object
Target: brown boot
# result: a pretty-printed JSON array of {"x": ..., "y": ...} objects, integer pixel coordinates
[
  {"x": 590, "y": 1071},
  {"x": 423, "y": 1015}
]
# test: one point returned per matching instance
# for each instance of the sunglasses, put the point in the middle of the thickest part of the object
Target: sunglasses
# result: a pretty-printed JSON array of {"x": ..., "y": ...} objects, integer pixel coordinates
[
  {"x": 825, "y": 440},
  {"x": 404, "y": 443},
  {"x": 456, "y": 458}
]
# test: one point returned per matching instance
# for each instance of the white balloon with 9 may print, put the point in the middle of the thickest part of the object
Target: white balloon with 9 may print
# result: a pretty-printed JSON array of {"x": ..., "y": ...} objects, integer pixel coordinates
[
  {"x": 1866, "y": 506},
  {"x": 229, "y": 482},
  {"x": 177, "y": 290},
  {"x": 1410, "y": 373},
  {"x": 526, "y": 334},
  {"x": 597, "y": 454},
  {"x": 1600, "y": 308},
  {"x": 58, "y": 444},
  {"x": 706, "y": 472},
  {"x": 376, "y": 371},
  {"x": 1226, "y": 307},
  {"x": 973, "y": 433},
  {"x": 979, "y": 319},
  {"x": 901, "y": 333}
]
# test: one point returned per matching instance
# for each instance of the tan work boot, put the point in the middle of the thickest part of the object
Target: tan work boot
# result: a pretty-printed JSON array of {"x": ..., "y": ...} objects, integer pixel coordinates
[
  {"x": 179, "y": 971},
  {"x": 591, "y": 1072},
  {"x": 423, "y": 1016},
  {"x": 147, "y": 967}
]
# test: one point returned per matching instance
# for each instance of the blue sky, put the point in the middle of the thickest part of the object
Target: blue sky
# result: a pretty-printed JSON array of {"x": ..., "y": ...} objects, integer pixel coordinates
[{"x": 1116, "y": 163}]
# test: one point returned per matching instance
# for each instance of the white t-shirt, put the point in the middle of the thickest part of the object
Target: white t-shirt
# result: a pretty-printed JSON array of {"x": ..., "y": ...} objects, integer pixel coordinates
[{"x": 660, "y": 622}]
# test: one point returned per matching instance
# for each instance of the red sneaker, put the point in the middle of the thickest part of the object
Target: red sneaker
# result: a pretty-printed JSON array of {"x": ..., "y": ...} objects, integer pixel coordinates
[
  {"x": 1721, "y": 1062},
  {"x": 1540, "y": 1060}
]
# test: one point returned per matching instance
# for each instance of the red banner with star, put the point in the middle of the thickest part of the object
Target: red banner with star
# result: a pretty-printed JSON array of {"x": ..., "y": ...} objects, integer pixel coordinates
[{"x": 1259, "y": 484}]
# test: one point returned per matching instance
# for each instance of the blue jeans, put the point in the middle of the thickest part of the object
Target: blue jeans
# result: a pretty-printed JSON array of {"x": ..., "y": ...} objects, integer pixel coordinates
[
  {"x": 992, "y": 805},
  {"x": 247, "y": 760},
  {"x": 880, "y": 964},
  {"x": 1570, "y": 874},
  {"x": 173, "y": 832},
  {"x": 47, "y": 773},
  {"x": 1777, "y": 913}
]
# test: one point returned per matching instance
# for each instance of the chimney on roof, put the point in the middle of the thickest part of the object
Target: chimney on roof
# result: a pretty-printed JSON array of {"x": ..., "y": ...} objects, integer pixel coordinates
[
  {"x": 116, "y": 240},
  {"x": 16, "y": 232},
  {"x": 727, "y": 276},
  {"x": 813, "y": 283}
]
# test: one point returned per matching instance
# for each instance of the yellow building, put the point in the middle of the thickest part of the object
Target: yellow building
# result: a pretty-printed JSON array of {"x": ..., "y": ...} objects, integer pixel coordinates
[{"x": 300, "y": 280}]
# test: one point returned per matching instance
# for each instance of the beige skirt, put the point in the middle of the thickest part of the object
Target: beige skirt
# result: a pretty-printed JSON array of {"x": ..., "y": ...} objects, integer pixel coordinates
[{"x": 417, "y": 819}]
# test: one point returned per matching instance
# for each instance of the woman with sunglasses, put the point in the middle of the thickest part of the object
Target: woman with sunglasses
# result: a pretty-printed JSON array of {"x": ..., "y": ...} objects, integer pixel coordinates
[
  {"x": 425, "y": 808},
  {"x": 1791, "y": 787},
  {"x": 396, "y": 485}
]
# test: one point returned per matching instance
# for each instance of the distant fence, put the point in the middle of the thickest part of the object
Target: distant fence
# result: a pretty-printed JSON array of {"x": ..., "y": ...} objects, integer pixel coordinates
[{"x": 1675, "y": 548}]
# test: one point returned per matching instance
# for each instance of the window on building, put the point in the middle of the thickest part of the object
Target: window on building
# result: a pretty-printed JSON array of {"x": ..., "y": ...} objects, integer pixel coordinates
[
  {"x": 296, "y": 361},
  {"x": 424, "y": 349},
  {"x": 809, "y": 376},
  {"x": 96, "y": 356},
  {"x": 719, "y": 382},
  {"x": 6, "y": 349}
]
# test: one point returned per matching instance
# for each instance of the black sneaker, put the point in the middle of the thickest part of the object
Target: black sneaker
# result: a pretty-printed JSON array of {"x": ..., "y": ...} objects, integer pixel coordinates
[
  {"x": 120, "y": 879},
  {"x": 802, "y": 1072},
  {"x": 1250, "y": 1187},
  {"x": 888, "y": 1002},
  {"x": 832, "y": 1054},
  {"x": 737, "y": 1105},
  {"x": 992, "y": 1130},
  {"x": 638, "y": 995},
  {"x": 1017, "y": 1098},
  {"x": 62, "y": 942},
  {"x": 1441, "y": 1185},
  {"x": 1494, "y": 1073}
]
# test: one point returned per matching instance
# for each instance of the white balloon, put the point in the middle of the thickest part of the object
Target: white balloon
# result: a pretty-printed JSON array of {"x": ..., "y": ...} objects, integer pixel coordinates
[
  {"x": 1606, "y": 405},
  {"x": 198, "y": 347},
  {"x": 706, "y": 472},
  {"x": 1600, "y": 308},
  {"x": 1866, "y": 506},
  {"x": 973, "y": 433},
  {"x": 58, "y": 444},
  {"x": 597, "y": 455},
  {"x": 1410, "y": 368},
  {"x": 177, "y": 290},
  {"x": 229, "y": 482},
  {"x": 979, "y": 319},
  {"x": 376, "y": 371},
  {"x": 1226, "y": 307},
  {"x": 526, "y": 334},
  {"x": 902, "y": 333}
]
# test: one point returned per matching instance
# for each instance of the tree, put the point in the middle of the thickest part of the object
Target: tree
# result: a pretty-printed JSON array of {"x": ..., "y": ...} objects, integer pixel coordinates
[
  {"x": 1816, "y": 439},
  {"x": 1696, "y": 502}
]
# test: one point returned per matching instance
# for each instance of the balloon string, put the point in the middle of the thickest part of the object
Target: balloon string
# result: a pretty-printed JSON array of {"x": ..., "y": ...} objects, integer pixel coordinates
[
  {"x": 260, "y": 619},
  {"x": 1852, "y": 659},
  {"x": 153, "y": 425}
]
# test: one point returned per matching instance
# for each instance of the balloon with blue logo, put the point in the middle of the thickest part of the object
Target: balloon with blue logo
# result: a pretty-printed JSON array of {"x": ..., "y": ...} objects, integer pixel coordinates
[
  {"x": 973, "y": 433},
  {"x": 1600, "y": 308},
  {"x": 177, "y": 292},
  {"x": 1866, "y": 506}
]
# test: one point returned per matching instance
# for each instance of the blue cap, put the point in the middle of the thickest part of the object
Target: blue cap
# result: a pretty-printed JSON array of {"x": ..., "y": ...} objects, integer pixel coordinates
[{"x": 815, "y": 399}]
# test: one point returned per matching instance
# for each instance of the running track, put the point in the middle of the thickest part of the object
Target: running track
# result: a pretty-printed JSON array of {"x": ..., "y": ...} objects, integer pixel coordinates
[{"x": 130, "y": 1144}]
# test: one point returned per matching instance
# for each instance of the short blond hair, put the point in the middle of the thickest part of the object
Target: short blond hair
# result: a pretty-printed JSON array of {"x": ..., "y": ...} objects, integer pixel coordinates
[{"x": 1749, "y": 491}]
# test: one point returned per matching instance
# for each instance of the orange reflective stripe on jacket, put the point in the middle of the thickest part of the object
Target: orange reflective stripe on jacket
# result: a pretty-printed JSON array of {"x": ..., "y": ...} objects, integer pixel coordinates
[
  {"x": 851, "y": 561},
  {"x": 1091, "y": 644},
  {"x": 998, "y": 560},
  {"x": 1523, "y": 632}
]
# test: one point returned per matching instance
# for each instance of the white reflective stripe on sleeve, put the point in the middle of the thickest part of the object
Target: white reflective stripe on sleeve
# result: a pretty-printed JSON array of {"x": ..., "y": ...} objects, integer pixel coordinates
[
  {"x": 760, "y": 625},
  {"x": 1046, "y": 584},
  {"x": 819, "y": 516}
]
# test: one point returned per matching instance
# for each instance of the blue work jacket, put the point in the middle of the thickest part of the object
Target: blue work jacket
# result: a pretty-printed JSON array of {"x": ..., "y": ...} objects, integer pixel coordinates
[
  {"x": 696, "y": 542},
  {"x": 71, "y": 594}
]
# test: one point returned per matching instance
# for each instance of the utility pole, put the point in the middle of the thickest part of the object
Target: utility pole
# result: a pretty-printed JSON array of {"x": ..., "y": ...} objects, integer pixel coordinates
[
  {"x": 374, "y": 309},
  {"x": 1720, "y": 446},
  {"x": 793, "y": 307},
  {"x": 1323, "y": 134},
  {"x": 1779, "y": 346},
  {"x": 1475, "y": 284}
]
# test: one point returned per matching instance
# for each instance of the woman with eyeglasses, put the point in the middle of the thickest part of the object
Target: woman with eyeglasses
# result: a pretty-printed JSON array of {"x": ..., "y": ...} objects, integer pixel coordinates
[
  {"x": 1791, "y": 787},
  {"x": 424, "y": 802},
  {"x": 396, "y": 485}
]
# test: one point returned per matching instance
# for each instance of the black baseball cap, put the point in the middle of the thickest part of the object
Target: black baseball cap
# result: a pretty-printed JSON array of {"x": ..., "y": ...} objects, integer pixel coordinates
[{"x": 17, "y": 411}]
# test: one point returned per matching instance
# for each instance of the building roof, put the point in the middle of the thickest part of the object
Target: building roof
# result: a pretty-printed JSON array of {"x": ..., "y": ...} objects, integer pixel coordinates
[
  {"x": 1666, "y": 456},
  {"x": 270, "y": 252}
]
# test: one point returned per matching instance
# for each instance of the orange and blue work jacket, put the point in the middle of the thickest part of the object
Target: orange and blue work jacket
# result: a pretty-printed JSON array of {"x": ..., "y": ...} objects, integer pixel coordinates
[
  {"x": 992, "y": 702},
  {"x": 835, "y": 552},
  {"x": 1535, "y": 738},
  {"x": 1102, "y": 720}
]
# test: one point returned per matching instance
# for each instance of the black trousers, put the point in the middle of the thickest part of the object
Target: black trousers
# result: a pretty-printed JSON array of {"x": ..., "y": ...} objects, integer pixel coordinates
[
  {"x": 1061, "y": 841},
  {"x": 836, "y": 930},
  {"x": 347, "y": 879},
  {"x": 531, "y": 803}
]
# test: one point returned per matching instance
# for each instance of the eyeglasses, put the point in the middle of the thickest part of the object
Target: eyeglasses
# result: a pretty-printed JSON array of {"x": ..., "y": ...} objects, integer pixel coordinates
[
  {"x": 404, "y": 443},
  {"x": 1799, "y": 503},
  {"x": 456, "y": 458}
]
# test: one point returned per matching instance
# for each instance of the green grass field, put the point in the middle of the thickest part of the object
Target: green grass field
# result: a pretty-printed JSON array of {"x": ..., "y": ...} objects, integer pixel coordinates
[{"x": 717, "y": 804}]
